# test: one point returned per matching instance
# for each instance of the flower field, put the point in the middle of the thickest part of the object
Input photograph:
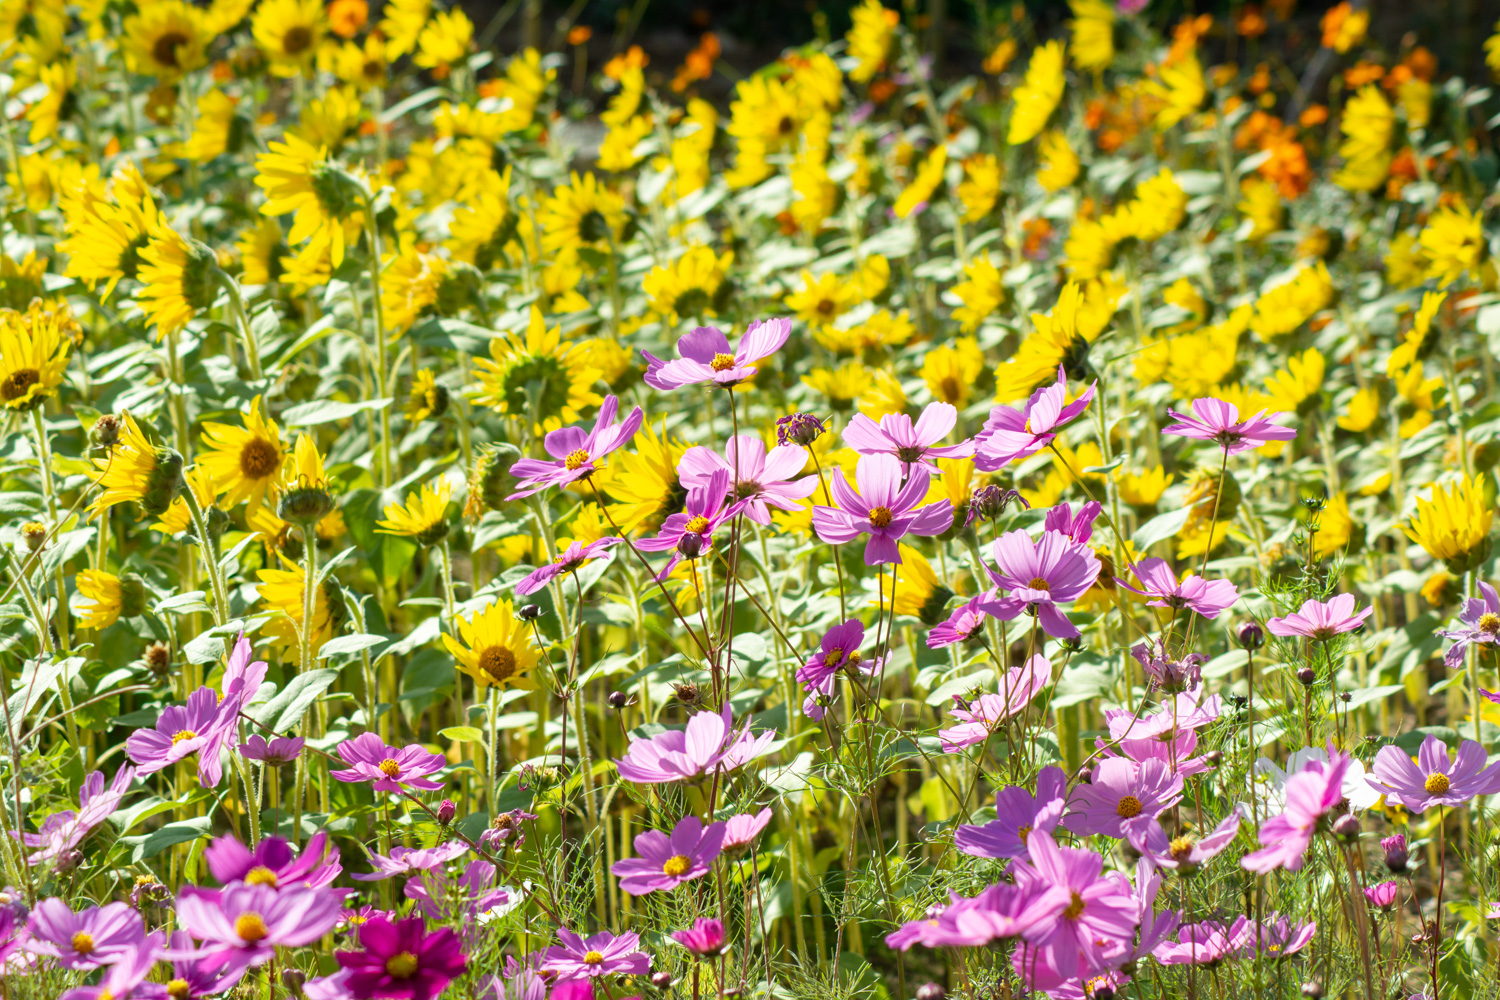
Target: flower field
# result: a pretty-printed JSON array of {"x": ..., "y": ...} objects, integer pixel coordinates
[{"x": 500, "y": 521}]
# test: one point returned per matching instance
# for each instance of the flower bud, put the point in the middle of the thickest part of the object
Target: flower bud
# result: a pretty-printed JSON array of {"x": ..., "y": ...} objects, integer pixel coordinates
[
  {"x": 618, "y": 700},
  {"x": 1250, "y": 635},
  {"x": 306, "y": 505},
  {"x": 1312, "y": 989},
  {"x": 1395, "y": 852},
  {"x": 35, "y": 535},
  {"x": 799, "y": 428},
  {"x": 661, "y": 980},
  {"x": 446, "y": 810},
  {"x": 158, "y": 657},
  {"x": 687, "y": 693},
  {"x": 105, "y": 433},
  {"x": 1347, "y": 828},
  {"x": 163, "y": 483},
  {"x": 1307, "y": 676},
  {"x": 930, "y": 991},
  {"x": 529, "y": 613},
  {"x": 690, "y": 546},
  {"x": 132, "y": 596},
  {"x": 293, "y": 980}
]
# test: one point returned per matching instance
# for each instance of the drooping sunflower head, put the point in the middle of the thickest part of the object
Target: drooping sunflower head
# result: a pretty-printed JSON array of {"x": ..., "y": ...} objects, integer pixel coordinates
[
  {"x": 261, "y": 250},
  {"x": 245, "y": 461},
  {"x": 304, "y": 496},
  {"x": 165, "y": 39},
  {"x": 180, "y": 275},
  {"x": 426, "y": 399},
  {"x": 135, "y": 470},
  {"x": 582, "y": 214},
  {"x": 300, "y": 177},
  {"x": 423, "y": 517},
  {"x": 540, "y": 375},
  {"x": 289, "y": 33},
  {"x": 33, "y": 354},
  {"x": 495, "y": 650}
]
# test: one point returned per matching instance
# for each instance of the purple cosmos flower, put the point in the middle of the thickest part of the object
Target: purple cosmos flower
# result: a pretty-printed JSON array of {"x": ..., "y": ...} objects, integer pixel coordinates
[
  {"x": 575, "y": 454},
  {"x": 1311, "y": 794},
  {"x": 62, "y": 831},
  {"x": 1167, "y": 674},
  {"x": 193, "y": 979},
  {"x": 1384, "y": 895},
  {"x": 1207, "y": 597},
  {"x": 567, "y": 561},
  {"x": 758, "y": 480},
  {"x": 966, "y": 621},
  {"x": 1480, "y": 618},
  {"x": 401, "y": 960},
  {"x": 881, "y": 508},
  {"x": 1077, "y": 527},
  {"x": 981, "y": 717},
  {"x": 1206, "y": 943},
  {"x": 709, "y": 742},
  {"x": 180, "y": 732},
  {"x": 518, "y": 982},
  {"x": 1039, "y": 575},
  {"x": 1393, "y": 849},
  {"x": 1018, "y": 814},
  {"x": 1317, "y": 620},
  {"x": 665, "y": 862},
  {"x": 279, "y": 750},
  {"x": 243, "y": 925},
  {"x": 1274, "y": 938},
  {"x": 1010, "y": 434},
  {"x": 242, "y": 679},
  {"x": 1156, "y": 927},
  {"x": 100, "y": 935},
  {"x": 705, "y": 939},
  {"x": 799, "y": 428},
  {"x": 126, "y": 978},
  {"x": 1000, "y": 911},
  {"x": 604, "y": 954},
  {"x": 473, "y": 895},
  {"x": 386, "y": 768},
  {"x": 1435, "y": 779},
  {"x": 741, "y": 829},
  {"x": 1181, "y": 714},
  {"x": 410, "y": 860},
  {"x": 1122, "y": 795},
  {"x": 838, "y": 650},
  {"x": 706, "y": 356},
  {"x": 915, "y": 445},
  {"x": 1219, "y": 421},
  {"x": 274, "y": 862},
  {"x": 1101, "y": 918},
  {"x": 1185, "y": 853},
  {"x": 690, "y": 533}
]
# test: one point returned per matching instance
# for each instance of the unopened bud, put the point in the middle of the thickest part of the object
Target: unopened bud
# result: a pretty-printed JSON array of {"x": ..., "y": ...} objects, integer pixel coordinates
[
  {"x": 1312, "y": 989},
  {"x": 35, "y": 534},
  {"x": 1250, "y": 635},
  {"x": 446, "y": 810},
  {"x": 690, "y": 546},
  {"x": 529, "y": 613},
  {"x": 1307, "y": 676},
  {"x": 1347, "y": 828},
  {"x": 687, "y": 693},
  {"x": 661, "y": 980},
  {"x": 1395, "y": 853},
  {"x": 163, "y": 483},
  {"x": 307, "y": 505},
  {"x": 293, "y": 980},
  {"x": 158, "y": 657},
  {"x": 618, "y": 700},
  {"x": 105, "y": 433},
  {"x": 799, "y": 428},
  {"x": 930, "y": 991},
  {"x": 132, "y": 596}
]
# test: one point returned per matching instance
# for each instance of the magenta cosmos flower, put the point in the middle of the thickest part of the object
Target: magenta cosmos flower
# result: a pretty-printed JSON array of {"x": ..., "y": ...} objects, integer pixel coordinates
[
  {"x": 181, "y": 731},
  {"x": 664, "y": 863},
  {"x": 1000, "y": 911},
  {"x": 1274, "y": 938},
  {"x": 275, "y": 752},
  {"x": 1317, "y": 620},
  {"x": 1435, "y": 779},
  {"x": 126, "y": 978},
  {"x": 1184, "y": 853},
  {"x": 1206, "y": 943},
  {"x": 1480, "y": 621},
  {"x": 1041, "y": 574},
  {"x": 1018, "y": 814},
  {"x": 1010, "y": 434},
  {"x": 604, "y": 954},
  {"x": 386, "y": 768},
  {"x": 914, "y": 445},
  {"x": 1208, "y": 598},
  {"x": 410, "y": 860},
  {"x": 1219, "y": 421},
  {"x": 1122, "y": 795},
  {"x": 705, "y": 938},
  {"x": 758, "y": 479},
  {"x": 707, "y": 357},
  {"x": 1310, "y": 794},
  {"x": 690, "y": 533},
  {"x": 100, "y": 935},
  {"x": 709, "y": 742},
  {"x": 274, "y": 862},
  {"x": 244, "y": 924},
  {"x": 838, "y": 648},
  {"x": 567, "y": 561},
  {"x": 1079, "y": 527},
  {"x": 62, "y": 831},
  {"x": 575, "y": 454},
  {"x": 881, "y": 508},
  {"x": 402, "y": 961},
  {"x": 741, "y": 829},
  {"x": 1384, "y": 895},
  {"x": 966, "y": 621},
  {"x": 1101, "y": 918},
  {"x": 981, "y": 717}
]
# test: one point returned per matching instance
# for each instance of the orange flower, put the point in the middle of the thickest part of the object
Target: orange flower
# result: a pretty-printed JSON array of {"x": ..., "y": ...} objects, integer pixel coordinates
[
  {"x": 580, "y": 34},
  {"x": 699, "y": 63},
  {"x": 1251, "y": 22},
  {"x": 633, "y": 58},
  {"x": 1316, "y": 114},
  {"x": 346, "y": 17},
  {"x": 1362, "y": 73}
]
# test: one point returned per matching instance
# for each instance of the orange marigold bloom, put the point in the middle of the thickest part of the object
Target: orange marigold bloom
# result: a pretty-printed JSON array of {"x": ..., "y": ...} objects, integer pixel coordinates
[
  {"x": 579, "y": 34},
  {"x": 1251, "y": 22},
  {"x": 1315, "y": 114},
  {"x": 1362, "y": 73},
  {"x": 346, "y": 17},
  {"x": 699, "y": 63}
]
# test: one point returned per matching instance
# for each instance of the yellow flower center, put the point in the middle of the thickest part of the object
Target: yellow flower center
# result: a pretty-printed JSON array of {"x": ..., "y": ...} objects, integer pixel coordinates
[
  {"x": 696, "y": 526},
  {"x": 183, "y": 734},
  {"x": 261, "y": 875},
  {"x": 722, "y": 362},
  {"x": 1129, "y": 806},
  {"x": 83, "y": 942},
  {"x": 401, "y": 966},
  {"x": 593, "y": 958},
  {"x": 1437, "y": 783},
  {"x": 498, "y": 662},
  {"x": 390, "y": 768},
  {"x": 1024, "y": 832},
  {"x": 179, "y": 989},
  {"x": 250, "y": 927},
  {"x": 834, "y": 655},
  {"x": 880, "y": 517},
  {"x": 1489, "y": 624},
  {"x": 164, "y": 50},
  {"x": 259, "y": 459},
  {"x": 1180, "y": 848},
  {"x": 15, "y": 386},
  {"x": 1075, "y": 908},
  {"x": 1038, "y": 583},
  {"x": 854, "y": 657},
  {"x": 676, "y": 865}
]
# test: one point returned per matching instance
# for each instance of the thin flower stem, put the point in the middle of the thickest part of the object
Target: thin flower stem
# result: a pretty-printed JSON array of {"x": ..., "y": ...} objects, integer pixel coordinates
[{"x": 382, "y": 371}]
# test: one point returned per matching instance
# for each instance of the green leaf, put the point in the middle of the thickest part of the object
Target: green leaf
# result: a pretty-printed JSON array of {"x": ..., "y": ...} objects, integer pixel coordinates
[
  {"x": 286, "y": 709},
  {"x": 326, "y": 411},
  {"x": 461, "y": 734},
  {"x": 1160, "y": 528},
  {"x": 157, "y": 841},
  {"x": 350, "y": 644}
]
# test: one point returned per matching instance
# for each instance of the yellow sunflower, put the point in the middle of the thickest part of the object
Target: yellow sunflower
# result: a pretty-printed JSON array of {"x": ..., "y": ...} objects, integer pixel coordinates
[
  {"x": 426, "y": 399},
  {"x": 688, "y": 286},
  {"x": 581, "y": 214},
  {"x": 495, "y": 649},
  {"x": 444, "y": 40},
  {"x": 982, "y": 292},
  {"x": 425, "y": 515},
  {"x": 643, "y": 483},
  {"x": 299, "y": 177},
  {"x": 362, "y": 65},
  {"x": 33, "y": 354},
  {"x": 282, "y": 591},
  {"x": 105, "y": 240},
  {"x": 1039, "y": 95},
  {"x": 542, "y": 363},
  {"x": 101, "y": 599},
  {"x": 402, "y": 22},
  {"x": 244, "y": 461},
  {"x": 216, "y": 130},
  {"x": 177, "y": 518},
  {"x": 165, "y": 39},
  {"x": 139, "y": 471},
  {"x": 870, "y": 33},
  {"x": 289, "y": 33},
  {"x": 1061, "y": 337},
  {"x": 45, "y": 114},
  {"x": 261, "y": 250},
  {"x": 950, "y": 372},
  {"x": 485, "y": 223},
  {"x": 1454, "y": 524},
  {"x": 179, "y": 275}
]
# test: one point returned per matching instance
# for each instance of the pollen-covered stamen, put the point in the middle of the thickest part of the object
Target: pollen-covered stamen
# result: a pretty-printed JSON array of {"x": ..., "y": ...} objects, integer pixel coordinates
[
  {"x": 722, "y": 362},
  {"x": 676, "y": 865},
  {"x": 390, "y": 768},
  {"x": 1075, "y": 908},
  {"x": 1024, "y": 832},
  {"x": 183, "y": 734},
  {"x": 499, "y": 662},
  {"x": 83, "y": 943},
  {"x": 881, "y": 517},
  {"x": 251, "y": 927},
  {"x": 1437, "y": 783},
  {"x": 1038, "y": 583},
  {"x": 1489, "y": 624},
  {"x": 261, "y": 875},
  {"x": 1128, "y": 807},
  {"x": 577, "y": 459},
  {"x": 402, "y": 965},
  {"x": 593, "y": 958},
  {"x": 1180, "y": 848},
  {"x": 179, "y": 989},
  {"x": 696, "y": 526}
]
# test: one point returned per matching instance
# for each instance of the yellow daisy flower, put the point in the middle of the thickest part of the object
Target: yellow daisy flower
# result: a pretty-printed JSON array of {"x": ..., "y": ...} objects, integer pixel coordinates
[
  {"x": 1454, "y": 244},
  {"x": 1057, "y": 164},
  {"x": 425, "y": 515},
  {"x": 541, "y": 358},
  {"x": 1454, "y": 523},
  {"x": 982, "y": 292},
  {"x": 179, "y": 277},
  {"x": 216, "y": 130},
  {"x": 980, "y": 188},
  {"x": 581, "y": 214},
  {"x": 426, "y": 399},
  {"x": 165, "y": 39},
  {"x": 137, "y": 471},
  {"x": 840, "y": 386},
  {"x": 915, "y": 589},
  {"x": 1368, "y": 124},
  {"x": 643, "y": 483},
  {"x": 923, "y": 185},
  {"x": 495, "y": 649},
  {"x": 282, "y": 591},
  {"x": 101, "y": 599},
  {"x": 34, "y": 349},
  {"x": 1037, "y": 97},
  {"x": 261, "y": 249},
  {"x": 299, "y": 177},
  {"x": 289, "y": 32},
  {"x": 401, "y": 24},
  {"x": 244, "y": 461},
  {"x": 485, "y": 223},
  {"x": 822, "y": 299},
  {"x": 1060, "y": 338},
  {"x": 105, "y": 240},
  {"x": 444, "y": 40},
  {"x": 1093, "y": 43},
  {"x": 870, "y": 33},
  {"x": 688, "y": 287},
  {"x": 950, "y": 372},
  {"x": 45, "y": 114},
  {"x": 1143, "y": 490}
]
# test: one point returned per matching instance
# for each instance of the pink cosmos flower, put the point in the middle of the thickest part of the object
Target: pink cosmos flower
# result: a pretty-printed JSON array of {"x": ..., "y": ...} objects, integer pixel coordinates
[
  {"x": 1000, "y": 911},
  {"x": 1207, "y": 943},
  {"x": 1219, "y": 421},
  {"x": 1311, "y": 794},
  {"x": 1010, "y": 434},
  {"x": 1208, "y": 598},
  {"x": 882, "y": 508},
  {"x": 1317, "y": 620},
  {"x": 1167, "y": 674},
  {"x": 837, "y": 650},
  {"x": 274, "y": 862},
  {"x": 180, "y": 732},
  {"x": 1101, "y": 918},
  {"x": 567, "y": 561},
  {"x": 279, "y": 750},
  {"x": 664, "y": 863},
  {"x": 575, "y": 454},
  {"x": 245, "y": 924},
  {"x": 410, "y": 860},
  {"x": 126, "y": 978},
  {"x": 99, "y": 935},
  {"x": 1156, "y": 926},
  {"x": 966, "y": 621},
  {"x": 707, "y": 357},
  {"x": 1384, "y": 895},
  {"x": 759, "y": 480},
  {"x": 709, "y": 742},
  {"x": 741, "y": 829},
  {"x": 1018, "y": 814},
  {"x": 1480, "y": 619},
  {"x": 705, "y": 939},
  {"x": 1435, "y": 779},
  {"x": 1040, "y": 575},
  {"x": 1274, "y": 938},
  {"x": 63, "y": 831},
  {"x": 915, "y": 445},
  {"x": 1185, "y": 853},
  {"x": 473, "y": 895},
  {"x": 604, "y": 954},
  {"x": 1122, "y": 795},
  {"x": 1078, "y": 527},
  {"x": 386, "y": 768},
  {"x": 690, "y": 532},
  {"x": 402, "y": 960},
  {"x": 981, "y": 717}
]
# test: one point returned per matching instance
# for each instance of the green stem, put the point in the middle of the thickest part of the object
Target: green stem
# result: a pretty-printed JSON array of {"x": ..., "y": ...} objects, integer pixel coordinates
[{"x": 382, "y": 373}]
